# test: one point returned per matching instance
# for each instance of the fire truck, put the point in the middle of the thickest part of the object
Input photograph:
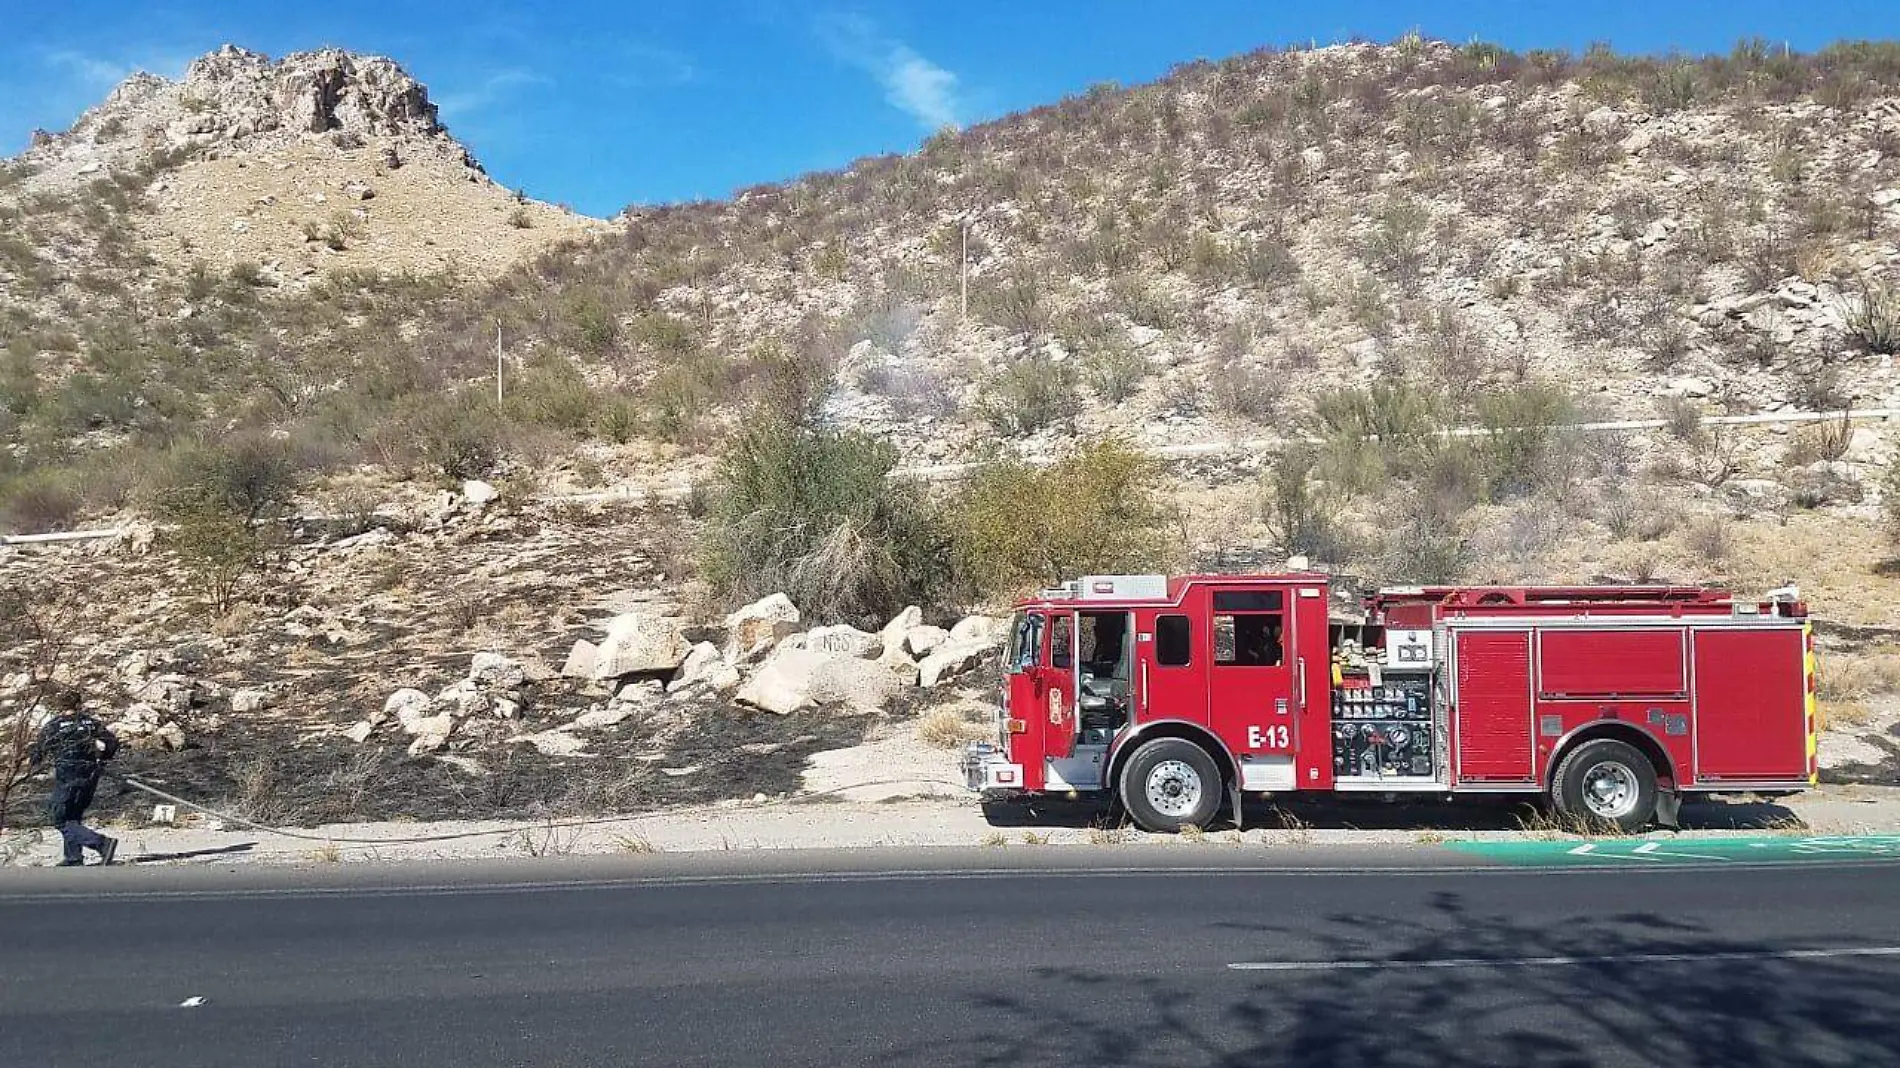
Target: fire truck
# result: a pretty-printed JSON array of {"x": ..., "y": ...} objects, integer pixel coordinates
[{"x": 1177, "y": 697}]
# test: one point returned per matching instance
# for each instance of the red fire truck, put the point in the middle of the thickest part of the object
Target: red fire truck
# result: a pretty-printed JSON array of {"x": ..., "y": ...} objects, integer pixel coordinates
[{"x": 1177, "y": 697}]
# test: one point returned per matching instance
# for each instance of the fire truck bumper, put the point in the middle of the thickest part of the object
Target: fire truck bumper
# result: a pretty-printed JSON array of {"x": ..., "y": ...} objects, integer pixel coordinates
[{"x": 986, "y": 770}]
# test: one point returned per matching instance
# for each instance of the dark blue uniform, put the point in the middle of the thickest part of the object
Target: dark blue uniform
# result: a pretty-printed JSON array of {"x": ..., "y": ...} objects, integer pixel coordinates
[{"x": 78, "y": 745}]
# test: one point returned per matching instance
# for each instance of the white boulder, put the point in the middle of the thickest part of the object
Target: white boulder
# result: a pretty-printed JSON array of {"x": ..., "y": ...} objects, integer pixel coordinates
[
  {"x": 922, "y": 641},
  {"x": 250, "y": 700},
  {"x": 497, "y": 673},
  {"x": 844, "y": 640},
  {"x": 906, "y": 621},
  {"x": 360, "y": 731},
  {"x": 953, "y": 658},
  {"x": 406, "y": 704},
  {"x": 477, "y": 493},
  {"x": 595, "y": 718},
  {"x": 976, "y": 628},
  {"x": 757, "y": 627},
  {"x": 639, "y": 643},
  {"x": 431, "y": 733},
  {"x": 800, "y": 678},
  {"x": 580, "y": 661},
  {"x": 699, "y": 665}
]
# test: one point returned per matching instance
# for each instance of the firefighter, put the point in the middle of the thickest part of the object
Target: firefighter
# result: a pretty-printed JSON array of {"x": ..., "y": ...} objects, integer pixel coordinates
[{"x": 78, "y": 746}]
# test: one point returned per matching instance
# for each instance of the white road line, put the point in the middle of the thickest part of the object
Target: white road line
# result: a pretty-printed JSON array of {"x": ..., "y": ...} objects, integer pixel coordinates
[{"x": 1545, "y": 962}]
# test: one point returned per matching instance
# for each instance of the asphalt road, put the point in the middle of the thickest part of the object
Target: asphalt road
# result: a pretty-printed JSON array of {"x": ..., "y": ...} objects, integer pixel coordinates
[{"x": 657, "y": 961}]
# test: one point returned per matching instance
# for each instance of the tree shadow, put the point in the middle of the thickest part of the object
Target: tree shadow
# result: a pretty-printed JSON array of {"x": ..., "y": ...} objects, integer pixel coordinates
[{"x": 1729, "y": 1004}]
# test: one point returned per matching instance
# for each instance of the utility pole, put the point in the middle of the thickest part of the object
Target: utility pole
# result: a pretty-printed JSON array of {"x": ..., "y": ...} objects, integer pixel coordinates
[
  {"x": 498, "y": 364},
  {"x": 963, "y": 300}
]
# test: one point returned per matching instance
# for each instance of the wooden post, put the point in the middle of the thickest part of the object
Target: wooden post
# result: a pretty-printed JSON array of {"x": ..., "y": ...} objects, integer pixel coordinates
[
  {"x": 963, "y": 300},
  {"x": 498, "y": 365}
]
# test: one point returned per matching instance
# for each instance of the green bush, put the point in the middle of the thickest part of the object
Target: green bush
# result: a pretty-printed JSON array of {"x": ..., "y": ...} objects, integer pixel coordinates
[
  {"x": 40, "y": 501},
  {"x": 226, "y": 502},
  {"x": 1096, "y": 511},
  {"x": 815, "y": 514},
  {"x": 1520, "y": 427},
  {"x": 1030, "y": 394},
  {"x": 1114, "y": 370},
  {"x": 1872, "y": 312},
  {"x": 1017, "y": 302},
  {"x": 1300, "y": 514}
]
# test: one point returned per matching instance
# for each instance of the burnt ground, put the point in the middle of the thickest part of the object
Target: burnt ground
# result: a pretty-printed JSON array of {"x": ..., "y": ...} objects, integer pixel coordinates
[{"x": 273, "y": 775}]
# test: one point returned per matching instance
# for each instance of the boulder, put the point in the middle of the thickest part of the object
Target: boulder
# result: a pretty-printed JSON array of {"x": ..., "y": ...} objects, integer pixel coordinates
[
  {"x": 699, "y": 665},
  {"x": 953, "y": 658},
  {"x": 249, "y": 700},
  {"x": 844, "y": 640},
  {"x": 755, "y": 629},
  {"x": 553, "y": 743},
  {"x": 464, "y": 699},
  {"x": 643, "y": 692},
  {"x": 1755, "y": 494},
  {"x": 792, "y": 679},
  {"x": 595, "y": 718},
  {"x": 638, "y": 643},
  {"x": 922, "y": 641},
  {"x": 431, "y": 733},
  {"x": 406, "y": 705},
  {"x": 477, "y": 493},
  {"x": 976, "y": 628},
  {"x": 497, "y": 673},
  {"x": 173, "y": 694},
  {"x": 169, "y": 736},
  {"x": 905, "y": 621},
  {"x": 580, "y": 661},
  {"x": 360, "y": 731},
  {"x": 1603, "y": 122}
]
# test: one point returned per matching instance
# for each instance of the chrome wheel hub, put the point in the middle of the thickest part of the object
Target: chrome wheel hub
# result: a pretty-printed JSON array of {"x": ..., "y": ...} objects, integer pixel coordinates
[
  {"x": 1174, "y": 788},
  {"x": 1610, "y": 791}
]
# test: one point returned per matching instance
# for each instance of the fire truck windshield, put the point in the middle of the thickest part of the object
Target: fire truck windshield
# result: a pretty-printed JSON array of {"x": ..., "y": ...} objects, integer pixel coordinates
[{"x": 1025, "y": 642}]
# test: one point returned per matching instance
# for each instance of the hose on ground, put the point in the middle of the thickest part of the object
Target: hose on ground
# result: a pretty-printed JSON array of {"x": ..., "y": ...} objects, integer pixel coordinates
[{"x": 544, "y": 825}]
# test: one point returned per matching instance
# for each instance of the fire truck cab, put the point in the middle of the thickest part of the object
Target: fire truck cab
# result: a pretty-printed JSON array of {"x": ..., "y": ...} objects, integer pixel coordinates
[{"x": 1177, "y": 696}]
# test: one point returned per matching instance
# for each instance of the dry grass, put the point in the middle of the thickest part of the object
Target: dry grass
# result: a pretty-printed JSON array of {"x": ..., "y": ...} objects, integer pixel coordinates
[
  {"x": 1032, "y": 838},
  {"x": 635, "y": 844},
  {"x": 1852, "y": 677},
  {"x": 996, "y": 839},
  {"x": 949, "y": 728},
  {"x": 1192, "y": 833},
  {"x": 1835, "y": 714},
  {"x": 1547, "y": 825},
  {"x": 327, "y": 853}
]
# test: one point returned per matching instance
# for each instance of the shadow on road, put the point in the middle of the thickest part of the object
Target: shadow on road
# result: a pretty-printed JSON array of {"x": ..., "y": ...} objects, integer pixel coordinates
[
  {"x": 1743, "y": 1009},
  {"x": 1369, "y": 814}
]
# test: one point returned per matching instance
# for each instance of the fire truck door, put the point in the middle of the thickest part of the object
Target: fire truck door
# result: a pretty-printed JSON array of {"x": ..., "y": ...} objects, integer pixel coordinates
[
  {"x": 1056, "y": 686},
  {"x": 1250, "y": 687}
]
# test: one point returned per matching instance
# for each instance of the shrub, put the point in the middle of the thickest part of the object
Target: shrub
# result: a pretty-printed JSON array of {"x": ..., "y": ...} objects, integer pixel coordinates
[
  {"x": 1141, "y": 303},
  {"x": 1267, "y": 261},
  {"x": 1244, "y": 389},
  {"x": 39, "y": 502},
  {"x": 1520, "y": 427},
  {"x": 1682, "y": 417},
  {"x": 1872, "y": 314},
  {"x": 592, "y": 325},
  {"x": 1015, "y": 302},
  {"x": 520, "y": 219},
  {"x": 1095, "y": 511},
  {"x": 1711, "y": 540},
  {"x": 1825, "y": 440},
  {"x": 1300, "y": 516},
  {"x": 226, "y": 502},
  {"x": 460, "y": 440},
  {"x": 815, "y": 514},
  {"x": 1396, "y": 244},
  {"x": 1113, "y": 370},
  {"x": 1030, "y": 394}
]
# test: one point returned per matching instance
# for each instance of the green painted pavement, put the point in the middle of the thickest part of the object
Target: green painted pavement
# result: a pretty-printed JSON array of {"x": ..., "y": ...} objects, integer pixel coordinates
[{"x": 1776, "y": 849}]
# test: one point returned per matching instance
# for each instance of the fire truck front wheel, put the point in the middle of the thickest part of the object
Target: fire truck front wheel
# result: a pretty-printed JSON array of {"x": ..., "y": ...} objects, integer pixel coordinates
[
  {"x": 1170, "y": 783},
  {"x": 1606, "y": 781}
]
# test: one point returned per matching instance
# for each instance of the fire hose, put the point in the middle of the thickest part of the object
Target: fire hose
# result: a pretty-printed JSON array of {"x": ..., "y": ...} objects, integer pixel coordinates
[{"x": 548, "y": 825}]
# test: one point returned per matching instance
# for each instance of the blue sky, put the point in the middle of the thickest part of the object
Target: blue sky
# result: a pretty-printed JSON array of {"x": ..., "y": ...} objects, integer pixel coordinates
[{"x": 598, "y": 104}]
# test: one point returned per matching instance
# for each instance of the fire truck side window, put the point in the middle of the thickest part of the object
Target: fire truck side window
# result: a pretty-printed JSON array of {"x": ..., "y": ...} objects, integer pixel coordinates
[
  {"x": 1250, "y": 640},
  {"x": 1062, "y": 642},
  {"x": 1174, "y": 641},
  {"x": 1025, "y": 643}
]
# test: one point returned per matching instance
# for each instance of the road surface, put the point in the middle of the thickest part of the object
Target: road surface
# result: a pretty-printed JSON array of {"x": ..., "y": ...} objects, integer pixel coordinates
[{"x": 1118, "y": 959}]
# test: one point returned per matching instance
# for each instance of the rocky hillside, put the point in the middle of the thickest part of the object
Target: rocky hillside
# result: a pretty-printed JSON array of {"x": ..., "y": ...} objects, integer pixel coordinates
[
  {"x": 1362, "y": 245},
  {"x": 318, "y": 161}
]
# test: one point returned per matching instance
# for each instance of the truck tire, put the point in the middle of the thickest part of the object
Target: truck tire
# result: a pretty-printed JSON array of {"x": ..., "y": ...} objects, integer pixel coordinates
[
  {"x": 1606, "y": 781},
  {"x": 1170, "y": 783}
]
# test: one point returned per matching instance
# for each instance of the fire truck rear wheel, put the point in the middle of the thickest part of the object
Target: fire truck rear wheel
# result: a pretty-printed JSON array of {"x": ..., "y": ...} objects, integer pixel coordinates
[
  {"x": 1170, "y": 783},
  {"x": 1606, "y": 781}
]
